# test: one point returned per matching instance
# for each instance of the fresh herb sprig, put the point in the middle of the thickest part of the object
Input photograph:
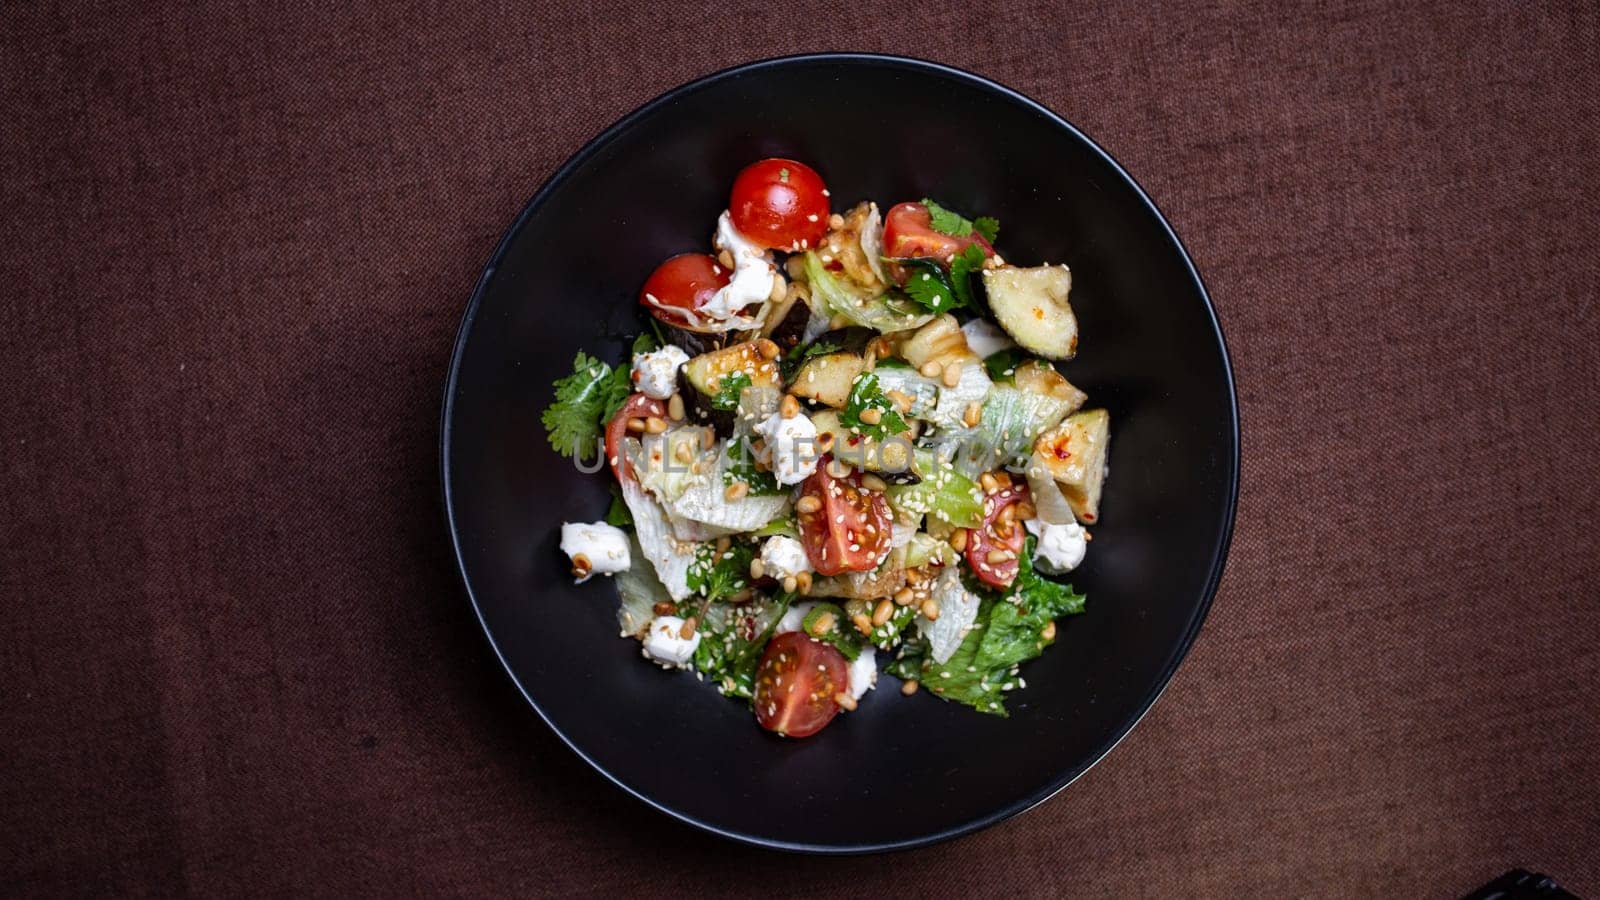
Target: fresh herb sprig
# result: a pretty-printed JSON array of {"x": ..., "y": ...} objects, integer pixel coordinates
[{"x": 866, "y": 394}]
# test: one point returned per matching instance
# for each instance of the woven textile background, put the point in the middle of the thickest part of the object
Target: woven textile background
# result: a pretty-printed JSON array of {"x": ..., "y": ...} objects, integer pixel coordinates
[{"x": 235, "y": 243}]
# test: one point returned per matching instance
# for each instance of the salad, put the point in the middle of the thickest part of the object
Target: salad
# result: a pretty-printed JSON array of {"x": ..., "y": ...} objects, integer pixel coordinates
[{"x": 841, "y": 446}]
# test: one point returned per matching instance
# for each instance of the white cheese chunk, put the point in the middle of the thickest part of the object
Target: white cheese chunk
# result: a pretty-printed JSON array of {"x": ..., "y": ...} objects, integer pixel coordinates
[
  {"x": 1060, "y": 548},
  {"x": 863, "y": 672},
  {"x": 665, "y": 643},
  {"x": 603, "y": 547},
  {"x": 792, "y": 443},
  {"x": 655, "y": 374},
  {"x": 783, "y": 556}
]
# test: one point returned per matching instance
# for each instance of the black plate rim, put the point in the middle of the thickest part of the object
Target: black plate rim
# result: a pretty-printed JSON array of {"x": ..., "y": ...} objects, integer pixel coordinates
[{"x": 1219, "y": 552}]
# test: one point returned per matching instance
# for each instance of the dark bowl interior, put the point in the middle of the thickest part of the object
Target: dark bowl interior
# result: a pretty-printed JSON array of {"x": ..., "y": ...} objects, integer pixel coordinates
[{"x": 900, "y": 771}]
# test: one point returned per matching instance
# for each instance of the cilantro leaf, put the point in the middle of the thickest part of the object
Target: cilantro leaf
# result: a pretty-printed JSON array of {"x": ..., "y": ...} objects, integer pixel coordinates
[
  {"x": 728, "y": 391},
  {"x": 1002, "y": 364},
  {"x": 947, "y": 221},
  {"x": 929, "y": 285},
  {"x": 846, "y": 640},
  {"x": 962, "y": 265},
  {"x": 741, "y": 466},
  {"x": 865, "y": 394},
  {"x": 618, "y": 514},
  {"x": 584, "y": 402},
  {"x": 717, "y": 576},
  {"x": 800, "y": 353}
]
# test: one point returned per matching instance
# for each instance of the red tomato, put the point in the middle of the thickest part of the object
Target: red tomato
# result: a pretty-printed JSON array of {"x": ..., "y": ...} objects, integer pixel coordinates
[
  {"x": 796, "y": 683},
  {"x": 780, "y": 204},
  {"x": 638, "y": 406},
  {"x": 908, "y": 232},
  {"x": 850, "y": 530},
  {"x": 686, "y": 281},
  {"x": 994, "y": 535}
]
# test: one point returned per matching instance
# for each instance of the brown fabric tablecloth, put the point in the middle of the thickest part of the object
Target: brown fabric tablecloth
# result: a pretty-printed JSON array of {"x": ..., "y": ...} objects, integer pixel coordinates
[{"x": 234, "y": 248}]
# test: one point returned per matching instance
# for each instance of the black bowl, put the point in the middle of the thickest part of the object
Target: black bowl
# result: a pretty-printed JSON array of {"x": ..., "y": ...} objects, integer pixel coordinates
[{"x": 900, "y": 771}]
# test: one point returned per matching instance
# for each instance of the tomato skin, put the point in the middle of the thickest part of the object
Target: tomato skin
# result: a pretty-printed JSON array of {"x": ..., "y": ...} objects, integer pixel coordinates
[
  {"x": 686, "y": 281},
  {"x": 779, "y": 204},
  {"x": 991, "y": 535},
  {"x": 849, "y": 516},
  {"x": 908, "y": 233},
  {"x": 638, "y": 406},
  {"x": 796, "y": 683}
]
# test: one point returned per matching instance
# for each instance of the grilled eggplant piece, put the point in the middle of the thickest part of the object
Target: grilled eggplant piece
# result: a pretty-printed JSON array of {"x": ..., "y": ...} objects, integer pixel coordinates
[
  {"x": 1075, "y": 454},
  {"x": 1042, "y": 378},
  {"x": 826, "y": 379},
  {"x": 1031, "y": 305}
]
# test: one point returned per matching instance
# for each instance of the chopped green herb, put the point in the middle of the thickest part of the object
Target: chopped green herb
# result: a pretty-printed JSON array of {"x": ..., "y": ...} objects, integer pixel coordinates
[
  {"x": 791, "y": 361},
  {"x": 865, "y": 394},
  {"x": 929, "y": 285},
  {"x": 1002, "y": 364},
  {"x": 962, "y": 266},
  {"x": 741, "y": 466},
  {"x": 947, "y": 221},
  {"x": 729, "y": 654},
  {"x": 717, "y": 576},
  {"x": 618, "y": 514},
  {"x": 728, "y": 391},
  {"x": 988, "y": 226}
]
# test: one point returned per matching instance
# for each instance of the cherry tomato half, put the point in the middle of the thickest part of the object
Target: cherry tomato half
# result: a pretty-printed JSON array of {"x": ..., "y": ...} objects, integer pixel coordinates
[
  {"x": 908, "y": 233},
  {"x": 996, "y": 535},
  {"x": 686, "y": 281},
  {"x": 780, "y": 204},
  {"x": 796, "y": 683},
  {"x": 639, "y": 406},
  {"x": 850, "y": 531}
]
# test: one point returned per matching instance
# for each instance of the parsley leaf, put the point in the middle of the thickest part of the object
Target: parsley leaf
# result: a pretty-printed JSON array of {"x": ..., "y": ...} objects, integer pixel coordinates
[
  {"x": 791, "y": 361},
  {"x": 728, "y": 391},
  {"x": 988, "y": 226},
  {"x": 719, "y": 576},
  {"x": 865, "y": 394},
  {"x": 947, "y": 221},
  {"x": 585, "y": 401},
  {"x": 730, "y": 655}
]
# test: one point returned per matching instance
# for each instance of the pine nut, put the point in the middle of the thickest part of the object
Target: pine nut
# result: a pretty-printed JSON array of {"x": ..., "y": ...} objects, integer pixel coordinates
[
  {"x": 883, "y": 612},
  {"x": 726, "y": 259},
  {"x": 707, "y": 438},
  {"x": 758, "y": 568},
  {"x": 790, "y": 583},
  {"x": 873, "y": 483},
  {"x": 767, "y": 349},
  {"x": 675, "y": 407},
  {"x": 931, "y": 369},
  {"x": 808, "y": 504},
  {"x": 958, "y": 539},
  {"x": 687, "y": 631},
  {"x": 724, "y": 543},
  {"x": 789, "y": 406},
  {"x": 655, "y": 424},
  {"x": 838, "y": 468},
  {"x": 836, "y": 221},
  {"x": 802, "y": 580},
  {"x": 930, "y": 609},
  {"x": 1087, "y": 537},
  {"x": 1003, "y": 477},
  {"x": 872, "y": 415},
  {"x": 741, "y": 597},
  {"x": 636, "y": 425},
  {"x": 995, "y": 557},
  {"x": 1049, "y": 632},
  {"x": 683, "y": 454},
  {"x": 990, "y": 485},
  {"x": 822, "y": 625},
  {"x": 973, "y": 415},
  {"x": 736, "y": 490},
  {"x": 779, "y": 290},
  {"x": 845, "y": 701},
  {"x": 952, "y": 375},
  {"x": 907, "y": 688},
  {"x": 663, "y": 608},
  {"x": 900, "y": 399},
  {"x": 1007, "y": 515},
  {"x": 904, "y": 596},
  {"x": 862, "y": 623},
  {"x": 824, "y": 442},
  {"x": 581, "y": 565}
]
